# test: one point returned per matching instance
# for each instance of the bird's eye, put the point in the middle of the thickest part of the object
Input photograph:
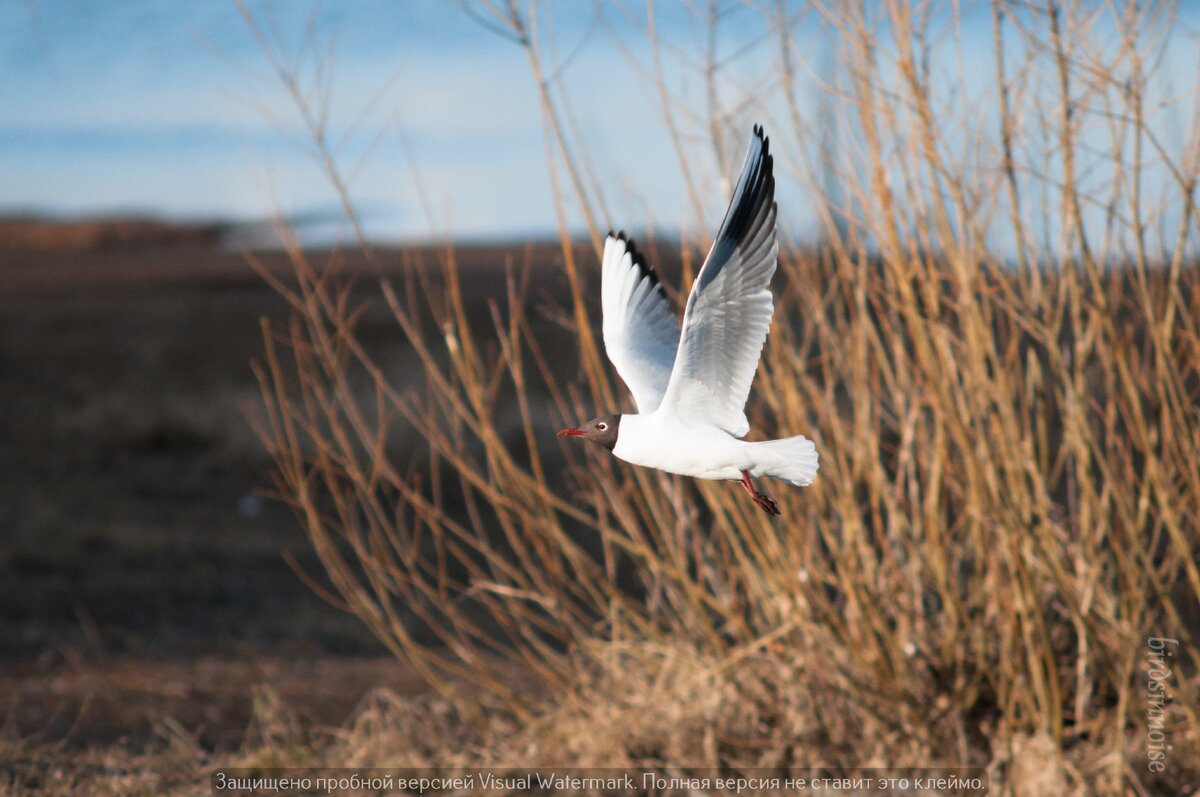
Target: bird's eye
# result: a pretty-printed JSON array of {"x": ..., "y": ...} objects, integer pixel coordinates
[{"x": 602, "y": 426}]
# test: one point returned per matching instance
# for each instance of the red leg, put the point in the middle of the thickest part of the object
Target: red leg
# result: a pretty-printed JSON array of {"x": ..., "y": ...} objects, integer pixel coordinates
[{"x": 762, "y": 499}]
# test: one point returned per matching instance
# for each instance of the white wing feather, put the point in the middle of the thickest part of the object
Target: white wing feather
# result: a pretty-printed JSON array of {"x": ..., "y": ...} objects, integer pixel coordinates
[
  {"x": 641, "y": 334},
  {"x": 729, "y": 309}
]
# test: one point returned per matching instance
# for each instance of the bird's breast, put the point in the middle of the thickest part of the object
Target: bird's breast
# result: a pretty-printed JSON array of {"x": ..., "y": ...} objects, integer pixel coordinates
[{"x": 669, "y": 444}]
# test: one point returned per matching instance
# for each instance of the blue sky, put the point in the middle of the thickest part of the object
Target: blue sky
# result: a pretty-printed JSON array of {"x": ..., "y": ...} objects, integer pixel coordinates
[
  {"x": 150, "y": 106},
  {"x": 144, "y": 107}
]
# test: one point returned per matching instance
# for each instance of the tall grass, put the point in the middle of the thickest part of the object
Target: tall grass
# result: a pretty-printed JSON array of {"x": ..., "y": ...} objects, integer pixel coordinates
[{"x": 995, "y": 348}]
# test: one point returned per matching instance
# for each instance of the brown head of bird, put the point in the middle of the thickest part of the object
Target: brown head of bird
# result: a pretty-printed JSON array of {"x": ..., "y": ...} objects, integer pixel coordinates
[{"x": 601, "y": 431}]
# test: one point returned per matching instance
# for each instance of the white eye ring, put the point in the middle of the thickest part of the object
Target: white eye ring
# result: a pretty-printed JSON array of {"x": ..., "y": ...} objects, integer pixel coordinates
[{"x": 602, "y": 426}]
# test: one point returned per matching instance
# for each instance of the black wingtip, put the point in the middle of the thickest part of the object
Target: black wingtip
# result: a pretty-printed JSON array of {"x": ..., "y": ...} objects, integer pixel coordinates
[
  {"x": 639, "y": 260},
  {"x": 761, "y": 134},
  {"x": 755, "y": 188}
]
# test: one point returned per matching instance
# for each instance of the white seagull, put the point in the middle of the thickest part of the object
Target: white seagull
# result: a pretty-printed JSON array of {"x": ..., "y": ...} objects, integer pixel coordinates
[{"x": 691, "y": 385}]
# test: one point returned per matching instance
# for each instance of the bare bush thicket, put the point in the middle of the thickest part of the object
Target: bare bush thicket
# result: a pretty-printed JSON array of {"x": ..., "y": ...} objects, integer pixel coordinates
[{"x": 994, "y": 346}]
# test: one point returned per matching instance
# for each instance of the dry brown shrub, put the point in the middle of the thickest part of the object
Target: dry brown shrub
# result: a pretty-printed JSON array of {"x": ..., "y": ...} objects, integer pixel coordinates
[{"x": 1008, "y": 499}]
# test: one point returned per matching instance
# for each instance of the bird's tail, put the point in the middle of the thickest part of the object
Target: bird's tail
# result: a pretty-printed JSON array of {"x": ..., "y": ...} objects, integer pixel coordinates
[{"x": 793, "y": 460}]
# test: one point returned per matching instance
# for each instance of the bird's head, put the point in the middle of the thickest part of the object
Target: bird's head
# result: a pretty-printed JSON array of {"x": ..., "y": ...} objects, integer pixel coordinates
[{"x": 601, "y": 431}]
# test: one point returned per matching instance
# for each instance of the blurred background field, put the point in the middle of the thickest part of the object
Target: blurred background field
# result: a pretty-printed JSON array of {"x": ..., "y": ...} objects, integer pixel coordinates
[
  {"x": 134, "y": 526},
  {"x": 145, "y": 585},
  {"x": 223, "y": 428}
]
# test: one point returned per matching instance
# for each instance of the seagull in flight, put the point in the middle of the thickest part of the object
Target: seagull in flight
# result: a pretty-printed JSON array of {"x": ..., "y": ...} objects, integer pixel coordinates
[{"x": 690, "y": 384}]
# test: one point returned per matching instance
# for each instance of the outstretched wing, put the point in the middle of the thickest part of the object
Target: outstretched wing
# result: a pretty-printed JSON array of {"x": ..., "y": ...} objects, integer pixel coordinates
[
  {"x": 640, "y": 333},
  {"x": 729, "y": 309}
]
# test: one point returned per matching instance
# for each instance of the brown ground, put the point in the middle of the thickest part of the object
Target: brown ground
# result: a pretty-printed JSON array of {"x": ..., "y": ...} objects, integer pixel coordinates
[{"x": 144, "y": 594}]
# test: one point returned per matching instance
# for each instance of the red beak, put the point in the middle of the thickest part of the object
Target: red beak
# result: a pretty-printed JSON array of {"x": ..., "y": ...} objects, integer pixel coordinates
[{"x": 571, "y": 433}]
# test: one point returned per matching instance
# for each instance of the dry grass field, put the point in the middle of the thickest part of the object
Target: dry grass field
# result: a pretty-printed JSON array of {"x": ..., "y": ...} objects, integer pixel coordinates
[
  {"x": 994, "y": 343},
  {"x": 147, "y": 606}
]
